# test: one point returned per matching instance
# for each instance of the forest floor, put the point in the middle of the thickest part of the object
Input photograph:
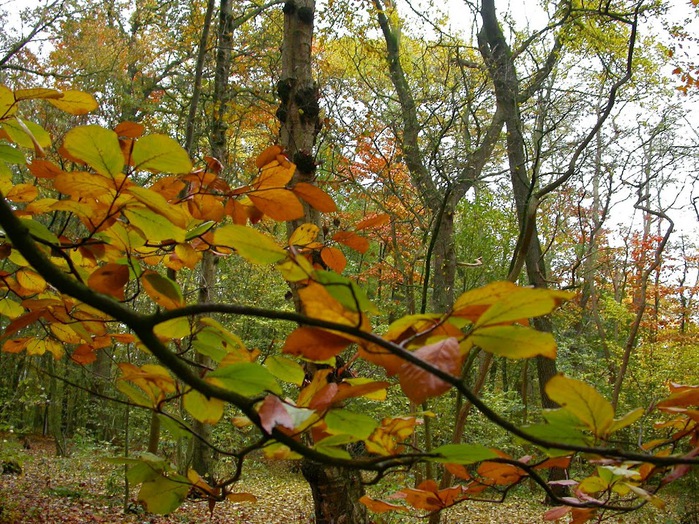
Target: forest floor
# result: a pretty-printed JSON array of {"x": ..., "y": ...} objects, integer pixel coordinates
[{"x": 86, "y": 489}]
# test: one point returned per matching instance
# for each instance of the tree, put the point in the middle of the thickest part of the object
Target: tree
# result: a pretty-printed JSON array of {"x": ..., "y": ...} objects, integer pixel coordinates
[{"x": 83, "y": 283}]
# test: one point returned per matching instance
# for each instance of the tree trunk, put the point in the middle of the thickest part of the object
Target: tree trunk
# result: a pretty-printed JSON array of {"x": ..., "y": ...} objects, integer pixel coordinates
[{"x": 336, "y": 491}]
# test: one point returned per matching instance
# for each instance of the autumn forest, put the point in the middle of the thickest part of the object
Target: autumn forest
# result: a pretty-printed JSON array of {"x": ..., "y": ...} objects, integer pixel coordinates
[{"x": 418, "y": 258}]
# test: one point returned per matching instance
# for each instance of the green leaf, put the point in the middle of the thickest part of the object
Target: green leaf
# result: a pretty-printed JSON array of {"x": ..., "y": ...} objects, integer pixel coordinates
[
  {"x": 216, "y": 342},
  {"x": 39, "y": 230},
  {"x": 173, "y": 427},
  {"x": 97, "y": 147},
  {"x": 250, "y": 244},
  {"x": 345, "y": 291},
  {"x": 285, "y": 369},
  {"x": 164, "y": 494},
  {"x": 463, "y": 453},
  {"x": 204, "y": 409},
  {"x": 18, "y": 134},
  {"x": 11, "y": 154},
  {"x": 160, "y": 153},
  {"x": 246, "y": 378},
  {"x": 199, "y": 230},
  {"x": 514, "y": 341},
  {"x": 566, "y": 435},
  {"x": 154, "y": 226},
  {"x": 341, "y": 421},
  {"x": 583, "y": 401}
]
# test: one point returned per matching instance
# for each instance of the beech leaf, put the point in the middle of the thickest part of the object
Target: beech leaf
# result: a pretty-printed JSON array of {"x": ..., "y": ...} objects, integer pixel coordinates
[
  {"x": 419, "y": 384},
  {"x": 250, "y": 244},
  {"x": 97, "y": 147}
]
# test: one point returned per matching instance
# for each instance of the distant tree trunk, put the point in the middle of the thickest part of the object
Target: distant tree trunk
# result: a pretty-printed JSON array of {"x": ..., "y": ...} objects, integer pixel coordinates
[
  {"x": 55, "y": 411},
  {"x": 201, "y": 457},
  {"x": 498, "y": 57},
  {"x": 336, "y": 491}
]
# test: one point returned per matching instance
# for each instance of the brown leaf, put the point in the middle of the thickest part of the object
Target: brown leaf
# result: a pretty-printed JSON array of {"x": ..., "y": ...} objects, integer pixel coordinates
[{"x": 418, "y": 384}]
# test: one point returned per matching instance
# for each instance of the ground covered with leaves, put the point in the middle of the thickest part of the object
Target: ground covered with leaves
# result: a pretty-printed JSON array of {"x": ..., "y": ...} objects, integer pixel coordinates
[{"x": 86, "y": 489}]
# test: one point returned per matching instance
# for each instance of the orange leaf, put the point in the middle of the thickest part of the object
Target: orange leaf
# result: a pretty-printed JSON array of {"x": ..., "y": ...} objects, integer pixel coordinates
[
  {"x": 84, "y": 355},
  {"x": 379, "y": 506},
  {"x": 129, "y": 129},
  {"x": 110, "y": 279},
  {"x": 16, "y": 345},
  {"x": 495, "y": 473},
  {"x": 314, "y": 344},
  {"x": 44, "y": 169},
  {"x": 418, "y": 384},
  {"x": 278, "y": 204},
  {"x": 381, "y": 357},
  {"x": 315, "y": 197},
  {"x": 352, "y": 240},
  {"x": 458, "y": 471},
  {"x": 345, "y": 390},
  {"x": 372, "y": 222},
  {"x": 267, "y": 156},
  {"x": 241, "y": 497},
  {"x": 334, "y": 259}
]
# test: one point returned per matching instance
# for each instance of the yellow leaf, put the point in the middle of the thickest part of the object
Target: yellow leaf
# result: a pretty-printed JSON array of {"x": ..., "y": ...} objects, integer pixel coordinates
[
  {"x": 472, "y": 304},
  {"x": 274, "y": 175},
  {"x": 75, "y": 102},
  {"x": 583, "y": 401},
  {"x": 37, "y": 93},
  {"x": 22, "y": 193},
  {"x": 8, "y": 105},
  {"x": 160, "y": 153},
  {"x": 97, "y": 147},
  {"x": 157, "y": 203},
  {"x": 250, "y": 244},
  {"x": 153, "y": 225},
  {"x": 514, "y": 341},
  {"x": 522, "y": 303},
  {"x": 304, "y": 234},
  {"x": 204, "y": 409},
  {"x": 30, "y": 280}
]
